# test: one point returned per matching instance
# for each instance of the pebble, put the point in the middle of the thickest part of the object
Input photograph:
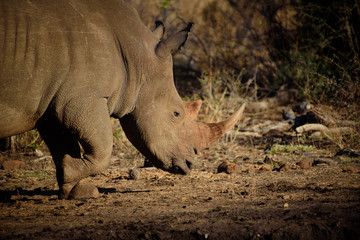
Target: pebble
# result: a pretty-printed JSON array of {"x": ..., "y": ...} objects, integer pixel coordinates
[
  {"x": 285, "y": 167},
  {"x": 227, "y": 167},
  {"x": 251, "y": 169},
  {"x": 266, "y": 167},
  {"x": 38, "y": 153},
  {"x": 286, "y": 197},
  {"x": 288, "y": 114},
  {"x": 271, "y": 162},
  {"x": 13, "y": 165},
  {"x": 304, "y": 164},
  {"x": 350, "y": 169},
  {"x": 134, "y": 174},
  {"x": 222, "y": 167}
]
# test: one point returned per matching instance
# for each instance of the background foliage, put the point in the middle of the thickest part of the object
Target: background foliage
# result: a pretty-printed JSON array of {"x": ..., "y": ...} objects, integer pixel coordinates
[{"x": 309, "y": 45}]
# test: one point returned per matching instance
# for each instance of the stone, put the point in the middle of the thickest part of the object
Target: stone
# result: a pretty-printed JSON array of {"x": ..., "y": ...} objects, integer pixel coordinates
[
  {"x": 350, "y": 169},
  {"x": 285, "y": 167},
  {"x": 222, "y": 167},
  {"x": 38, "y": 153},
  {"x": 288, "y": 114},
  {"x": 227, "y": 167},
  {"x": 134, "y": 174},
  {"x": 266, "y": 167},
  {"x": 251, "y": 169},
  {"x": 271, "y": 162},
  {"x": 304, "y": 164},
  {"x": 13, "y": 165}
]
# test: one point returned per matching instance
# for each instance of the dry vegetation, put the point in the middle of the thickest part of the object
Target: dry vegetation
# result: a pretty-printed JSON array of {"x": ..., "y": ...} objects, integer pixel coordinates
[
  {"x": 288, "y": 183},
  {"x": 251, "y": 50}
]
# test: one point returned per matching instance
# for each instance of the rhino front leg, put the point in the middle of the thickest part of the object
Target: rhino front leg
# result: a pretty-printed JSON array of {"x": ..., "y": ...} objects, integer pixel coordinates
[{"x": 88, "y": 123}]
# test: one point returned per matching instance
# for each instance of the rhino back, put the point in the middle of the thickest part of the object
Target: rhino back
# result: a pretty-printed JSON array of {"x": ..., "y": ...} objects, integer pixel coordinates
[{"x": 52, "y": 51}]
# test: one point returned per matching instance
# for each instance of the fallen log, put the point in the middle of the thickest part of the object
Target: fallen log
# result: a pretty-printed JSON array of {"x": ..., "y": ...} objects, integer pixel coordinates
[{"x": 322, "y": 128}]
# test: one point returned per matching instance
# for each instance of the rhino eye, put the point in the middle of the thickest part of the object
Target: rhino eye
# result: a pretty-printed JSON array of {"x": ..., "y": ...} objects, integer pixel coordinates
[{"x": 176, "y": 114}]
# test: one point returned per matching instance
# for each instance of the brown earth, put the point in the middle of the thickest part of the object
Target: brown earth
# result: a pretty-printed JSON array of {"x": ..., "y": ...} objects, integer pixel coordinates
[{"x": 259, "y": 200}]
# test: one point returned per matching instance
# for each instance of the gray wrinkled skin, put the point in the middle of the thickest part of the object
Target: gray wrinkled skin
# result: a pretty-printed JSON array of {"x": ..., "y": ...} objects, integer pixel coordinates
[{"x": 66, "y": 67}]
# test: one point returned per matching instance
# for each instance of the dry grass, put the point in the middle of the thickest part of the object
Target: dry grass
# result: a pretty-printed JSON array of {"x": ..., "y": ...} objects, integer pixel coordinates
[{"x": 236, "y": 47}]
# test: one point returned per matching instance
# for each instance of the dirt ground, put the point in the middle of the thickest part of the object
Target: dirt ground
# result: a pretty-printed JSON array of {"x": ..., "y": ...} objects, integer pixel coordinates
[{"x": 258, "y": 201}]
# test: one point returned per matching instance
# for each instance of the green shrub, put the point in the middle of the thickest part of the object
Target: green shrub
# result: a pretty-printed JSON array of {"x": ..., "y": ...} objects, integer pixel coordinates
[{"x": 277, "y": 148}]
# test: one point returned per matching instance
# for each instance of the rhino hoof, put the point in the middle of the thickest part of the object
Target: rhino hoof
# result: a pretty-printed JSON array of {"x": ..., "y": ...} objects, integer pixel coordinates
[{"x": 84, "y": 190}]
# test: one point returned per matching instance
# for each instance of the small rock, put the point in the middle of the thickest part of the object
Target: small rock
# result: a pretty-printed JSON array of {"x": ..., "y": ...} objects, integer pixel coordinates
[
  {"x": 285, "y": 167},
  {"x": 350, "y": 169},
  {"x": 222, "y": 167},
  {"x": 286, "y": 205},
  {"x": 232, "y": 168},
  {"x": 227, "y": 167},
  {"x": 288, "y": 114},
  {"x": 134, "y": 174},
  {"x": 286, "y": 197},
  {"x": 251, "y": 169},
  {"x": 12, "y": 165},
  {"x": 266, "y": 167},
  {"x": 38, "y": 153},
  {"x": 304, "y": 164},
  {"x": 270, "y": 161},
  {"x": 301, "y": 107}
]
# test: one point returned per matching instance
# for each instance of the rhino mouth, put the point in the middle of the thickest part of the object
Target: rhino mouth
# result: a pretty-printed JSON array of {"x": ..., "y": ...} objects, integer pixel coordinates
[{"x": 181, "y": 166}]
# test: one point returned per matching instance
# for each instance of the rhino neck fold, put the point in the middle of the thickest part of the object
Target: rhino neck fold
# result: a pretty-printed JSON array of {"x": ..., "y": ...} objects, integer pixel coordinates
[{"x": 136, "y": 56}]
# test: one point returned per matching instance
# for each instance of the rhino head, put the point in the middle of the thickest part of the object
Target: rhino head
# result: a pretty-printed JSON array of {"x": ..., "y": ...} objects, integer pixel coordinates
[{"x": 162, "y": 126}]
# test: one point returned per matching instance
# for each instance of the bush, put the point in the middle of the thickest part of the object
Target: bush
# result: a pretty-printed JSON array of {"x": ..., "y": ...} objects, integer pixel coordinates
[
  {"x": 324, "y": 62},
  {"x": 312, "y": 45}
]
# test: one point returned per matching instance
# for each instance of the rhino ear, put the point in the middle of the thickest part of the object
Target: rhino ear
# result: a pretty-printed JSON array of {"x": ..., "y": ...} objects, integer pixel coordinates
[
  {"x": 173, "y": 43},
  {"x": 159, "y": 30}
]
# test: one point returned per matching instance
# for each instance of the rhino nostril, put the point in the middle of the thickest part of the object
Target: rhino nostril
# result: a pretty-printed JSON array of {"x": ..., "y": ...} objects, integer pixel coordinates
[
  {"x": 189, "y": 164},
  {"x": 181, "y": 166},
  {"x": 195, "y": 151}
]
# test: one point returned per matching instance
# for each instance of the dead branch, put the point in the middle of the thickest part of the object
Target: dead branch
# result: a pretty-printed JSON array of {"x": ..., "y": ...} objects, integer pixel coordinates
[{"x": 322, "y": 128}]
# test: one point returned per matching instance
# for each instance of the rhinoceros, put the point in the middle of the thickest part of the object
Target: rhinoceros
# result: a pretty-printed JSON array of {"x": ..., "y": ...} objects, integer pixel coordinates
[{"x": 68, "y": 66}]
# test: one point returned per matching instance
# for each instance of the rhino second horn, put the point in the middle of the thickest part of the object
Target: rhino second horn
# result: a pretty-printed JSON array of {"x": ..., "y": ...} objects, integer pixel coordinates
[{"x": 210, "y": 132}]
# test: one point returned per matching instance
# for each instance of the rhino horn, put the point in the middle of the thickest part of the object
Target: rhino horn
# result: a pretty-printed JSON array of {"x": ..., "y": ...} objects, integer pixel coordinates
[
  {"x": 173, "y": 43},
  {"x": 192, "y": 108},
  {"x": 210, "y": 132}
]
